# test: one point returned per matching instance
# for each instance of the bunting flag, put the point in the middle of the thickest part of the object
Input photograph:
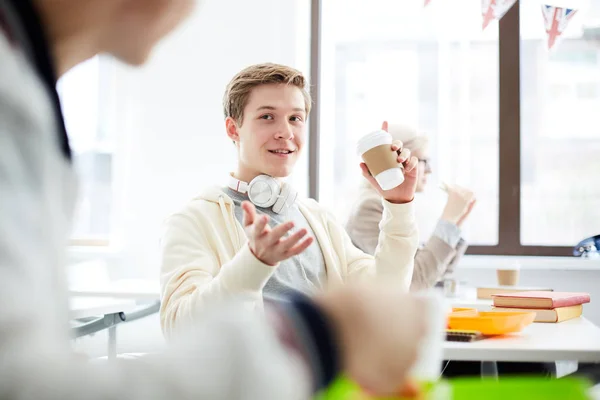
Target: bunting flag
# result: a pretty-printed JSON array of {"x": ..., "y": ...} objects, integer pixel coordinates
[
  {"x": 494, "y": 9},
  {"x": 555, "y": 21}
]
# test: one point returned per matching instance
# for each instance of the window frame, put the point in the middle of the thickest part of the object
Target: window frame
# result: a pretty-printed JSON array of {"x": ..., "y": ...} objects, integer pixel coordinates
[{"x": 509, "y": 116}]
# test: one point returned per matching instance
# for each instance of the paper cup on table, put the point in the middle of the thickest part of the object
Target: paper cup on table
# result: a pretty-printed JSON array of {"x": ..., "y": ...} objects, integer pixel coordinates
[
  {"x": 508, "y": 276},
  {"x": 428, "y": 367},
  {"x": 382, "y": 162}
]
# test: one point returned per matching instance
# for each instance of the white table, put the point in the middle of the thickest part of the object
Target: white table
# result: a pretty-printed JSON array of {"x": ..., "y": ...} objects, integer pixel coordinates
[
  {"x": 576, "y": 339},
  {"x": 146, "y": 293},
  {"x": 563, "y": 367},
  {"x": 109, "y": 311},
  {"x": 85, "y": 307},
  {"x": 126, "y": 291},
  {"x": 135, "y": 289}
]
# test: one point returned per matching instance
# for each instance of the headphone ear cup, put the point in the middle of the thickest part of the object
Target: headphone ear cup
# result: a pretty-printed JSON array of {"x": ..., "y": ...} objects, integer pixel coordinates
[
  {"x": 263, "y": 191},
  {"x": 287, "y": 197}
]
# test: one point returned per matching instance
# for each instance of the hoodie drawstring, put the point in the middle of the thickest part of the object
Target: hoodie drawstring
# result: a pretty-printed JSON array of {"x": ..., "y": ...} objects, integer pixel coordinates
[{"x": 229, "y": 222}]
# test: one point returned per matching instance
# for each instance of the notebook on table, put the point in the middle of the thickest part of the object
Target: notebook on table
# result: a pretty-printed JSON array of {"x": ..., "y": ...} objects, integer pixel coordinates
[
  {"x": 553, "y": 315},
  {"x": 461, "y": 335},
  {"x": 540, "y": 299},
  {"x": 487, "y": 292}
]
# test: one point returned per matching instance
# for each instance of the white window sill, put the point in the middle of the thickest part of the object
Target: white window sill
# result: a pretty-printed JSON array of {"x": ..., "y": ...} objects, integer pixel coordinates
[
  {"x": 530, "y": 262},
  {"x": 77, "y": 254},
  {"x": 85, "y": 253}
]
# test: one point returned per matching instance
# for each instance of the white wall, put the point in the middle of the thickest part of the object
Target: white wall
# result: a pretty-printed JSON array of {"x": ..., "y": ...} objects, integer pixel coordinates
[{"x": 172, "y": 141}]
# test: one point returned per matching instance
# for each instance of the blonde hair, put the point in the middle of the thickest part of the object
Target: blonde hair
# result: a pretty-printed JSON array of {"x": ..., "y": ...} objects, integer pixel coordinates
[
  {"x": 410, "y": 137},
  {"x": 239, "y": 88}
]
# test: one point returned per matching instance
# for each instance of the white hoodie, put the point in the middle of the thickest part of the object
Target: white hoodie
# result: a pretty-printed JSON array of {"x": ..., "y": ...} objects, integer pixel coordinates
[{"x": 205, "y": 255}]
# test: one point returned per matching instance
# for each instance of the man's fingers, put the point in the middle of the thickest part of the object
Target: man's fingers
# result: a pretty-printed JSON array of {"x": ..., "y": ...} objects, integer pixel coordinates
[
  {"x": 411, "y": 164},
  {"x": 397, "y": 145},
  {"x": 290, "y": 242},
  {"x": 278, "y": 232},
  {"x": 249, "y": 213},
  {"x": 294, "y": 251},
  {"x": 260, "y": 225},
  {"x": 404, "y": 155}
]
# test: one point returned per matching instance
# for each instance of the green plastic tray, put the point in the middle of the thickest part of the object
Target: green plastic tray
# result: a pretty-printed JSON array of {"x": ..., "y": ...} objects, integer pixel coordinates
[{"x": 514, "y": 388}]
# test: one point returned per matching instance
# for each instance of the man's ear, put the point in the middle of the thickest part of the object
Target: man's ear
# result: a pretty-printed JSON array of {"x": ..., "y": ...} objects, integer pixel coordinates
[{"x": 232, "y": 129}]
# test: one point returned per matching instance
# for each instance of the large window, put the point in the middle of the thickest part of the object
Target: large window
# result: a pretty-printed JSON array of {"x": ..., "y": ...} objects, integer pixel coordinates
[
  {"x": 560, "y": 131},
  {"x": 148, "y": 140},
  {"x": 412, "y": 66},
  {"x": 84, "y": 95},
  {"x": 481, "y": 97}
]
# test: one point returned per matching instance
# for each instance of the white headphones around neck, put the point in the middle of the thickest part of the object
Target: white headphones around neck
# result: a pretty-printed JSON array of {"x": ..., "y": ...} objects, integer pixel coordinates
[{"x": 264, "y": 191}]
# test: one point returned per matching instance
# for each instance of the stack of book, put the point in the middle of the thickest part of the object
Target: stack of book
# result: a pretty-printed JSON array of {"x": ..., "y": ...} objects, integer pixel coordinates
[
  {"x": 548, "y": 306},
  {"x": 486, "y": 292}
]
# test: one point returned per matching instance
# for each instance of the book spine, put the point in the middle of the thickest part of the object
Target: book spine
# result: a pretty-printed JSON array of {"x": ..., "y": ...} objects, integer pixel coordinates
[{"x": 570, "y": 301}]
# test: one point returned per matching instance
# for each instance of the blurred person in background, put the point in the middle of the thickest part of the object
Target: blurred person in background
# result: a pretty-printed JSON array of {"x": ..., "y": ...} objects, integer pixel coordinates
[
  {"x": 442, "y": 251},
  {"x": 439, "y": 256}
]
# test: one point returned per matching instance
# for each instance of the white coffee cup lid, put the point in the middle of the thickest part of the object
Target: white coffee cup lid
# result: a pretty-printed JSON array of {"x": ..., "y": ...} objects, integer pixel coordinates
[
  {"x": 390, "y": 178},
  {"x": 371, "y": 140}
]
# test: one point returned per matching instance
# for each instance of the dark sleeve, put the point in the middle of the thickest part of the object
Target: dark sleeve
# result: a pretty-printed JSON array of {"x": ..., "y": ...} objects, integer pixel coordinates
[{"x": 308, "y": 330}]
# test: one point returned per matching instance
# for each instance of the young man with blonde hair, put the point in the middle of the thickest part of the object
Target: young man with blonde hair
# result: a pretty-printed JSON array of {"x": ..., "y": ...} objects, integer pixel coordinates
[{"x": 255, "y": 237}]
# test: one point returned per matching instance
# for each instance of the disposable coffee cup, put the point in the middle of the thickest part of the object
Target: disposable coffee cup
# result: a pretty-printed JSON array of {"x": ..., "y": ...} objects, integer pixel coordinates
[
  {"x": 375, "y": 150},
  {"x": 427, "y": 368},
  {"x": 508, "y": 276}
]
